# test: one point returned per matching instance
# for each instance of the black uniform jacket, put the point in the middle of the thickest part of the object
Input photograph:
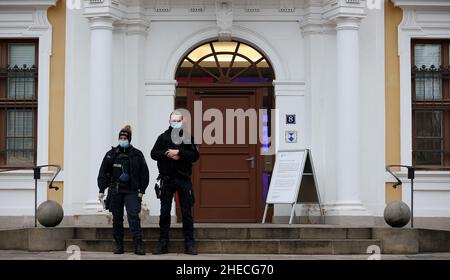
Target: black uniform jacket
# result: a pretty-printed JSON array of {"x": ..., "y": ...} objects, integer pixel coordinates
[
  {"x": 168, "y": 167},
  {"x": 139, "y": 175}
]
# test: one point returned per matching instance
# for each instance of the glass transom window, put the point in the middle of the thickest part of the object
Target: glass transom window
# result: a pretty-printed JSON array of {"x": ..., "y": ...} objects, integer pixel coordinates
[{"x": 224, "y": 62}]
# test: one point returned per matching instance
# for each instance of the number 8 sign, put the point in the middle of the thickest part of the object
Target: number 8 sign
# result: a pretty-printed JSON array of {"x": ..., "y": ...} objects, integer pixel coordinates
[{"x": 290, "y": 119}]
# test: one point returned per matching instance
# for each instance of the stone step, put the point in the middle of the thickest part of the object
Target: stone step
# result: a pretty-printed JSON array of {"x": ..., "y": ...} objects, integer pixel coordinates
[
  {"x": 247, "y": 246},
  {"x": 238, "y": 233},
  {"x": 266, "y": 238}
]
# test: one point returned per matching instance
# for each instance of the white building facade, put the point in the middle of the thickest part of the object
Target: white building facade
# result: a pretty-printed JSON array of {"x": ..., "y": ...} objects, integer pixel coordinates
[
  {"x": 328, "y": 59},
  {"x": 317, "y": 49}
]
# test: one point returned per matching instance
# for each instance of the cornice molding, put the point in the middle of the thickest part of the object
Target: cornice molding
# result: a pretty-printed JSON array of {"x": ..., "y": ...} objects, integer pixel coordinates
[
  {"x": 160, "y": 87},
  {"x": 421, "y": 3},
  {"x": 31, "y": 3},
  {"x": 334, "y": 9},
  {"x": 30, "y": 17},
  {"x": 104, "y": 9},
  {"x": 425, "y": 20}
]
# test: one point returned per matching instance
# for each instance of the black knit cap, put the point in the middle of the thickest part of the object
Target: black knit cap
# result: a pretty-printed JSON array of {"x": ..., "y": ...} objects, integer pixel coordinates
[{"x": 126, "y": 131}]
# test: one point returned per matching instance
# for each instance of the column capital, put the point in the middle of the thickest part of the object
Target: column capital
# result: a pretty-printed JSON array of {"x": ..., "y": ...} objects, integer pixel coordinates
[
  {"x": 347, "y": 23},
  {"x": 289, "y": 88},
  {"x": 309, "y": 26},
  {"x": 160, "y": 87},
  {"x": 312, "y": 21},
  {"x": 137, "y": 27},
  {"x": 103, "y": 22}
]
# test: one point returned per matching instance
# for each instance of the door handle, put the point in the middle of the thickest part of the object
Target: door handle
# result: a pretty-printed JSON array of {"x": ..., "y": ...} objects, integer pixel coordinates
[{"x": 252, "y": 161}]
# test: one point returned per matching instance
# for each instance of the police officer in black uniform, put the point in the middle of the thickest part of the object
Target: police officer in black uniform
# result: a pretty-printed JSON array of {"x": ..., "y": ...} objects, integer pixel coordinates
[
  {"x": 125, "y": 172},
  {"x": 175, "y": 156}
]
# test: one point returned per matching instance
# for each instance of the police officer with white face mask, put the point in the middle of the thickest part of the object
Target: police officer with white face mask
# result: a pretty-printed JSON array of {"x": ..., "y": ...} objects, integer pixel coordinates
[{"x": 175, "y": 152}]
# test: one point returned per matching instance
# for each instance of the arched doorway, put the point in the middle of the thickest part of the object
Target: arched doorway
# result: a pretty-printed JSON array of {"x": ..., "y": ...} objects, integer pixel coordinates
[{"x": 230, "y": 180}]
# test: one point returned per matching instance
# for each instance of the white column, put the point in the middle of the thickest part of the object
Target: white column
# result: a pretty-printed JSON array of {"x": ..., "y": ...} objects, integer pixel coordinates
[
  {"x": 315, "y": 106},
  {"x": 348, "y": 115},
  {"x": 100, "y": 101}
]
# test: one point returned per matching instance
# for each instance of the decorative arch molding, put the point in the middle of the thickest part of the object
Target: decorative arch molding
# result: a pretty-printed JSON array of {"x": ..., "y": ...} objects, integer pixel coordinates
[{"x": 239, "y": 33}]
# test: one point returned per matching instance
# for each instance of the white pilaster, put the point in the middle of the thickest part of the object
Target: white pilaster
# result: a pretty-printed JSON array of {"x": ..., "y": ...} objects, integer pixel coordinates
[
  {"x": 290, "y": 99},
  {"x": 100, "y": 100},
  {"x": 134, "y": 75},
  {"x": 313, "y": 30},
  {"x": 155, "y": 107},
  {"x": 348, "y": 202},
  {"x": 348, "y": 113}
]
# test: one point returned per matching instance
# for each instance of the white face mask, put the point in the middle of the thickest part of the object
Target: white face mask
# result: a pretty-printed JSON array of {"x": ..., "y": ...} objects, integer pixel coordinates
[
  {"x": 175, "y": 124},
  {"x": 124, "y": 143}
]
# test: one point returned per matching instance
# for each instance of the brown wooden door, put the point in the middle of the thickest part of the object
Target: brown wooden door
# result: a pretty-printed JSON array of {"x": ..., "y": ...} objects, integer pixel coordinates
[{"x": 225, "y": 177}]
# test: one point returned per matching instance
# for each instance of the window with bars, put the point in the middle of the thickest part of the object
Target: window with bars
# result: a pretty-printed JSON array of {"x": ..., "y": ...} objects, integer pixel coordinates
[
  {"x": 18, "y": 102},
  {"x": 431, "y": 103}
]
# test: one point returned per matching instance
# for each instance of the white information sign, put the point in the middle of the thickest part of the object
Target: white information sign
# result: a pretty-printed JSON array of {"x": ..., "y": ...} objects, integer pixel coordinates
[
  {"x": 286, "y": 177},
  {"x": 293, "y": 181}
]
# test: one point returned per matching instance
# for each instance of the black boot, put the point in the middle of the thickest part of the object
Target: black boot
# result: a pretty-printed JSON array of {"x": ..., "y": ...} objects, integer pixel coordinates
[
  {"x": 162, "y": 247},
  {"x": 139, "y": 248},
  {"x": 119, "y": 247},
  {"x": 190, "y": 249}
]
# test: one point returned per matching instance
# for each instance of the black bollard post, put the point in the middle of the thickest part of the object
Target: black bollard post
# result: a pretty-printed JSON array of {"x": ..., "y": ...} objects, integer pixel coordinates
[
  {"x": 411, "y": 175},
  {"x": 37, "y": 176}
]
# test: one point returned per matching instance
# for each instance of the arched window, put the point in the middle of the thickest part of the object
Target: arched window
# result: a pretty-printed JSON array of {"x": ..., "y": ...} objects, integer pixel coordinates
[{"x": 224, "y": 62}]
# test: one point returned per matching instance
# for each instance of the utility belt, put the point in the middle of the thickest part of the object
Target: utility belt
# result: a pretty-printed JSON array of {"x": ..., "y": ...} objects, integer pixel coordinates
[
  {"x": 117, "y": 185},
  {"x": 179, "y": 174},
  {"x": 164, "y": 181}
]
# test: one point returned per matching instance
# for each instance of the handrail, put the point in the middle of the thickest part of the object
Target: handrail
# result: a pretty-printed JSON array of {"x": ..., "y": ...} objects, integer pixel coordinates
[
  {"x": 411, "y": 175},
  {"x": 37, "y": 176}
]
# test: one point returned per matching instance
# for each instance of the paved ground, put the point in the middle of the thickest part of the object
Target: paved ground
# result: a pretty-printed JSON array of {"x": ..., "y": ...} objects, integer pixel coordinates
[{"x": 62, "y": 255}]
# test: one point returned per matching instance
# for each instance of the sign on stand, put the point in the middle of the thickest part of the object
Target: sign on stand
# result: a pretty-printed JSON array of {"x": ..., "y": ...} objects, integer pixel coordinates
[{"x": 293, "y": 181}]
